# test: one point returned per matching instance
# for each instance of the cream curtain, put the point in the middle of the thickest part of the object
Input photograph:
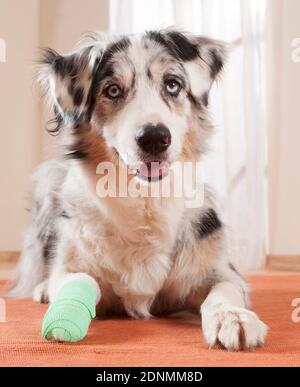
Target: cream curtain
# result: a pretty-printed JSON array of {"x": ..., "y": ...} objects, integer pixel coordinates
[{"x": 236, "y": 164}]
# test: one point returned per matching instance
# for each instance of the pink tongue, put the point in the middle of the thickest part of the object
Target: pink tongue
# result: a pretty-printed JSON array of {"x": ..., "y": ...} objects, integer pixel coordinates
[{"x": 153, "y": 169}]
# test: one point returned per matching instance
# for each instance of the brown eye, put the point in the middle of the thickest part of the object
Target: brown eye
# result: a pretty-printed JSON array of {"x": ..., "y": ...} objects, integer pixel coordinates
[
  {"x": 113, "y": 91},
  {"x": 173, "y": 87}
]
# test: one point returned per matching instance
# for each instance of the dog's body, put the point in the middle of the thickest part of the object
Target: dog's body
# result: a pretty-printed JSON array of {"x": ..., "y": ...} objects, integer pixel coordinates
[{"x": 141, "y": 98}]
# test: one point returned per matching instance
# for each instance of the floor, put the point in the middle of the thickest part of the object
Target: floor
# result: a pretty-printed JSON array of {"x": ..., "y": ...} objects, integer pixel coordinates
[{"x": 157, "y": 342}]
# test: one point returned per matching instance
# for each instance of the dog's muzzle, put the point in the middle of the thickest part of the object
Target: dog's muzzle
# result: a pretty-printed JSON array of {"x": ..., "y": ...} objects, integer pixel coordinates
[{"x": 153, "y": 142}]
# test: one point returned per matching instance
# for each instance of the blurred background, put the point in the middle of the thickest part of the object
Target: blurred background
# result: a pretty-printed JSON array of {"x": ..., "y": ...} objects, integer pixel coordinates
[{"x": 254, "y": 159}]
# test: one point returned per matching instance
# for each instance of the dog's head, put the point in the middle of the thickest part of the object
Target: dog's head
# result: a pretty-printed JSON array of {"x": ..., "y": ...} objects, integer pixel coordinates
[{"x": 145, "y": 95}]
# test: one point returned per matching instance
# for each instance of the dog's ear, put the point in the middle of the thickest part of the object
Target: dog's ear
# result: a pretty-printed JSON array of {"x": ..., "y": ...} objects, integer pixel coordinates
[
  {"x": 68, "y": 81},
  {"x": 203, "y": 59},
  {"x": 213, "y": 53}
]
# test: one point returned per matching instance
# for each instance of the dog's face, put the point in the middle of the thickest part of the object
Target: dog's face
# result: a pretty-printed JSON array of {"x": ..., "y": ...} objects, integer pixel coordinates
[{"x": 147, "y": 95}]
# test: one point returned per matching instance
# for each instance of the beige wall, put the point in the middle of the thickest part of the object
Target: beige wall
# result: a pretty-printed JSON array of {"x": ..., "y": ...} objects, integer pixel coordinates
[
  {"x": 19, "y": 120},
  {"x": 25, "y": 26},
  {"x": 284, "y": 131},
  {"x": 63, "y": 21}
]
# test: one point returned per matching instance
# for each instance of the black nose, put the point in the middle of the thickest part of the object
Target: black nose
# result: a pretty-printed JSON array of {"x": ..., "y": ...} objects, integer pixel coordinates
[{"x": 153, "y": 139}]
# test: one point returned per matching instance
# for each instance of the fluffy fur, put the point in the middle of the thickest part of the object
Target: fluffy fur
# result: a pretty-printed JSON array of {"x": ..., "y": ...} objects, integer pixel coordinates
[{"x": 147, "y": 255}]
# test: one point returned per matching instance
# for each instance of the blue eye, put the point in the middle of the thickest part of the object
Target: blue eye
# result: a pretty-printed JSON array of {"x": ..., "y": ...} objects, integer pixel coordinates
[
  {"x": 173, "y": 87},
  {"x": 113, "y": 91}
]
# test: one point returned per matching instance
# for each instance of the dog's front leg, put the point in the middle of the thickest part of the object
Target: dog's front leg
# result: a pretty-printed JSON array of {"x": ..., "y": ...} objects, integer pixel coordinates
[
  {"x": 225, "y": 319},
  {"x": 58, "y": 280}
]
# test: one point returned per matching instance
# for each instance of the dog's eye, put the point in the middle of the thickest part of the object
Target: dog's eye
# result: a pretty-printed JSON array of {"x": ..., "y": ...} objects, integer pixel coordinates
[
  {"x": 113, "y": 91},
  {"x": 173, "y": 87}
]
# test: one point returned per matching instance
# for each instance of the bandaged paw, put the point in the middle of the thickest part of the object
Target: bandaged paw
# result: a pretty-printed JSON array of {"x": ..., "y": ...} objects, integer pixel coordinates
[{"x": 70, "y": 314}]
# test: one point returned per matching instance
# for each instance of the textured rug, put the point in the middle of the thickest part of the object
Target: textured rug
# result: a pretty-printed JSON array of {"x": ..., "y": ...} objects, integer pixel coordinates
[{"x": 157, "y": 342}]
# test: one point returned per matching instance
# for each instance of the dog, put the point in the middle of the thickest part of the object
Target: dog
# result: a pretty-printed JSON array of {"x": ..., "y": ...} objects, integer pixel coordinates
[{"x": 129, "y": 100}]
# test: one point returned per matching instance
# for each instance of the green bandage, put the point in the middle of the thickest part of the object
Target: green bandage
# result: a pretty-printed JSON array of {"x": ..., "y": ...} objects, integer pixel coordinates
[{"x": 70, "y": 314}]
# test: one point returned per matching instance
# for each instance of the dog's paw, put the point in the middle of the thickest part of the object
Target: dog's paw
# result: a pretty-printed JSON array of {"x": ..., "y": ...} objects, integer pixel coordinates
[
  {"x": 40, "y": 293},
  {"x": 233, "y": 328}
]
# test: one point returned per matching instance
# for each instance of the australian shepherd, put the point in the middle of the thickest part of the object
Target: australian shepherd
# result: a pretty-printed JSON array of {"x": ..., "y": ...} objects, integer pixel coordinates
[{"x": 139, "y": 103}]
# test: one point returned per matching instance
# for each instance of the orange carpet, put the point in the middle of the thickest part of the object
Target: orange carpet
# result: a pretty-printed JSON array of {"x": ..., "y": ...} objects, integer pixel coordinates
[{"x": 158, "y": 342}]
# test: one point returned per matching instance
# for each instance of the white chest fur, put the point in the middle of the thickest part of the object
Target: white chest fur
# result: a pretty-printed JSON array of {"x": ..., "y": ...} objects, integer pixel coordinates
[
  {"x": 129, "y": 243},
  {"x": 138, "y": 246}
]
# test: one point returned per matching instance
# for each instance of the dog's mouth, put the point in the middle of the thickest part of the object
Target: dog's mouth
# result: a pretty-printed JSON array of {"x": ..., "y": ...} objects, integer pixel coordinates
[
  {"x": 147, "y": 170},
  {"x": 151, "y": 170}
]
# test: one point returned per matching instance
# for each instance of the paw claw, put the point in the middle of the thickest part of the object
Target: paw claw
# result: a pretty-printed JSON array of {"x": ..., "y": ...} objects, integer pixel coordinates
[{"x": 233, "y": 328}]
